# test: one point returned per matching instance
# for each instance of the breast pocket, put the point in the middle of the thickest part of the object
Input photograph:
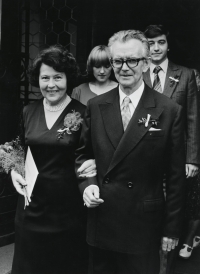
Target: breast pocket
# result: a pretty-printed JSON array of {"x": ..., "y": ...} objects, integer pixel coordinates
[{"x": 153, "y": 134}]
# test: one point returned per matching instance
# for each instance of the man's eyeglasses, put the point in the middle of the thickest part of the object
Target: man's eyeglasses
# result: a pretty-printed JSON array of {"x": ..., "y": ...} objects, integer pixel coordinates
[{"x": 131, "y": 62}]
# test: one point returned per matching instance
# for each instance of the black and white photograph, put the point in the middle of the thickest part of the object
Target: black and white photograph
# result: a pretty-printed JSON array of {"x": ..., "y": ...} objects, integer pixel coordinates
[{"x": 99, "y": 136}]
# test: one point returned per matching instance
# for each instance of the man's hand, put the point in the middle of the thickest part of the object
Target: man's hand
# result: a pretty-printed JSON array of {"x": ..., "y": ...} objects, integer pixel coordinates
[
  {"x": 87, "y": 169},
  {"x": 91, "y": 196},
  {"x": 168, "y": 244},
  {"x": 191, "y": 170}
]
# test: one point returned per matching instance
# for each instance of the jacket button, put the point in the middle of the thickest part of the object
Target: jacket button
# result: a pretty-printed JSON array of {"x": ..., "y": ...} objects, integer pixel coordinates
[
  {"x": 106, "y": 181},
  {"x": 130, "y": 184}
]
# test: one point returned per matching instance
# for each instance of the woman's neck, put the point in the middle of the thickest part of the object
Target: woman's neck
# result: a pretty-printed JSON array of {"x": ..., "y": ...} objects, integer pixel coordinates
[
  {"x": 57, "y": 103},
  {"x": 100, "y": 88},
  {"x": 56, "y": 107},
  {"x": 101, "y": 84}
]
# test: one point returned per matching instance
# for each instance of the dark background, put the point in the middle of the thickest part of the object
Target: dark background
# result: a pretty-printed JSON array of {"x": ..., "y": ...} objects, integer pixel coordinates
[{"x": 181, "y": 17}]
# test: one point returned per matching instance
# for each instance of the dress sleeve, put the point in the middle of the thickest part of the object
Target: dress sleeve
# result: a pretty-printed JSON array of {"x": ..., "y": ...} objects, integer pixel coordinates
[
  {"x": 22, "y": 130},
  {"x": 76, "y": 93},
  {"x": 19, "y": 133}
]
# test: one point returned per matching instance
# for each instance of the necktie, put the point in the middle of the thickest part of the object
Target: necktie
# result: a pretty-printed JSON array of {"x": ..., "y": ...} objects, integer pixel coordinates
[
  {"x": 157, "y": 83},
  {"x": 125, "y": 111}
]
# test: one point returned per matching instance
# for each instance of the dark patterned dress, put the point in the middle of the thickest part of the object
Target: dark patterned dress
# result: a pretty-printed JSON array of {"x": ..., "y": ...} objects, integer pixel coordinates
[{"x": 50, "y": 232}]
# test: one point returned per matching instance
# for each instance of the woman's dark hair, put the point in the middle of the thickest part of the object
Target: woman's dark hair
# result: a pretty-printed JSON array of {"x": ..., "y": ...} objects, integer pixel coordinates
[
  {"x": 98, "y": 57},
  {"x": 60, "y": 59}
]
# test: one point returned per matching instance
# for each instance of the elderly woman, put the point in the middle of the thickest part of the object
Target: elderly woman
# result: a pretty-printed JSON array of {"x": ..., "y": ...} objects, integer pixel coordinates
[
  {"x": 99, "y": 72},
  {"x": 50, "y": 237}
]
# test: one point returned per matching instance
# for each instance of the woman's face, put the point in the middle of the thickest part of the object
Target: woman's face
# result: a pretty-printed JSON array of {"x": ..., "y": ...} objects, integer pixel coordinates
[
  {"x": 102, "y": 73},
  {"x": 53, "y": 84}
]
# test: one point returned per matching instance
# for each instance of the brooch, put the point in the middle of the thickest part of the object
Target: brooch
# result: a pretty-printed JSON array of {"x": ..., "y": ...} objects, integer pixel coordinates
[{"x": 72, "y": 123}]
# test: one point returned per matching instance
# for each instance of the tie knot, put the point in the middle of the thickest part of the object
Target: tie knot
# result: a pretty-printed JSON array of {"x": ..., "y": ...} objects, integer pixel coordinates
[
  {"x": 157, "y": 69},
  {"x": 126, "y": 101}
]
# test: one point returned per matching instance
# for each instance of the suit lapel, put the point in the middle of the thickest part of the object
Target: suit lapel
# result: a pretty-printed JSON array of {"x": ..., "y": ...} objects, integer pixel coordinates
[
  {"x": 112, "y": 120},
  {"x": 135, "y": 132},
  {"x": 170, "y": 85},
  {"x": 147, "y": 79}
]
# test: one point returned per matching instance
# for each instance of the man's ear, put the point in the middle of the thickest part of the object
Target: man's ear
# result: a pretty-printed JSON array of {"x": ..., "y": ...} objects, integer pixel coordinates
[{"x": 147, "y": 63}]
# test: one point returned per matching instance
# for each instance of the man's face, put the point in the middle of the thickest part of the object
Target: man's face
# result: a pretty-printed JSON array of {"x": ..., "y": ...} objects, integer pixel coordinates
[
  {"x": 127, "y": 77},
  {"x": 158, "y": 49}
]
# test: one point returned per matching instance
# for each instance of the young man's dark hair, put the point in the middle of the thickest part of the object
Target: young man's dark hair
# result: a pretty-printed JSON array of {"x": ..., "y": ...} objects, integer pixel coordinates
[{"x": 153, "y": 31}]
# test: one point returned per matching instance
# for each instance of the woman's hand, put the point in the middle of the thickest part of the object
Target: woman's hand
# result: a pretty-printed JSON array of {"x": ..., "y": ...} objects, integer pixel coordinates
[
  {"x": 87, "y": 169},
  {"x": 18, "y": 182},
  {"x": 20, "y": 185}
]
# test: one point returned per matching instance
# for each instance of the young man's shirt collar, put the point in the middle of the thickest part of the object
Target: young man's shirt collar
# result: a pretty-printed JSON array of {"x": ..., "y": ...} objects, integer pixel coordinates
[
  {"x": 163, "y": 65},
  {"x": 162, "y": 73}
]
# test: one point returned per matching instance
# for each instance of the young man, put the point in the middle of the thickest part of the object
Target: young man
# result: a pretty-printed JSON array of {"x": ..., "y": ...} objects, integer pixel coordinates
[
  {"x": 179, "y": 84},
  {"x": 134, "y": 134}
]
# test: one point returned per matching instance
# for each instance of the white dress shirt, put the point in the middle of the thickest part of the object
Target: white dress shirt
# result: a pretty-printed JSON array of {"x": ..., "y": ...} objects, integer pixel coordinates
[
  {"x": 162, "y": 73},
  {"x": 134, "y": 97}
]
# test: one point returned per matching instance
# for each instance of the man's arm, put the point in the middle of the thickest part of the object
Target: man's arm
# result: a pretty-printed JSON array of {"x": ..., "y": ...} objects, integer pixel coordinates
[
  {"x": 192, "y": 127},
  {"x": 175, "y": 187},
  {"x": 192, "y": 132},
  {"x": 88, "y": 186}
]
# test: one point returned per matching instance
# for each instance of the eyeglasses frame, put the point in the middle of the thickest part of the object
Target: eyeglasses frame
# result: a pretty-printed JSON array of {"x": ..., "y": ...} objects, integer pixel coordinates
[{"x": 125, "y": 61}]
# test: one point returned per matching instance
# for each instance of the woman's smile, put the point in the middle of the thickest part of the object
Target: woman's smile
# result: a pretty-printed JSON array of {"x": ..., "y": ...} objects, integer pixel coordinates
[{"x": 53, "y": 84}]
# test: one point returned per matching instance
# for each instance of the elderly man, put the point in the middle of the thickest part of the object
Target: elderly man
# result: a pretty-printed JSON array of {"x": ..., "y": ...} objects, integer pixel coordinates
[{"x": 135, "y": 135}]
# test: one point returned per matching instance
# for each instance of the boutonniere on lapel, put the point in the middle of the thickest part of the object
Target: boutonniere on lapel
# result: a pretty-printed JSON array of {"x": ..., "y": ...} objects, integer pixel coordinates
[
  {"x": 72, "y": 123},
  {"x": 173, "y": 80},
  {"x": 146, "y": 121}
]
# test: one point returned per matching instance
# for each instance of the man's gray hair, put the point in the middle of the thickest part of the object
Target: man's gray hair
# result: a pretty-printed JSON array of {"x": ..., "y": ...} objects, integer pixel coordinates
[{"x": 126, "y": 35}]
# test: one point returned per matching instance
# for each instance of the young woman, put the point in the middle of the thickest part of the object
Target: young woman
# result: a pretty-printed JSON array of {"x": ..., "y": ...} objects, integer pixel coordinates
[{"x": 99, "y": 72}]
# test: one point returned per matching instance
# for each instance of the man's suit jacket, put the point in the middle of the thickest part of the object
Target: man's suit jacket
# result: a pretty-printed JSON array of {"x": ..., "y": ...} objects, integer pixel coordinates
[
  {"x": 130, "y": 168},
  {"x": 184, "y": 93}
]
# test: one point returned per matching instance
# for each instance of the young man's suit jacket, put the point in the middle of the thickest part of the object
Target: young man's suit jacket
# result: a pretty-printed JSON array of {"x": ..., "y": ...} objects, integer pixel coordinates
[
  {"x": 130, "y": 168},
  {"x": 184, "y": 93}
]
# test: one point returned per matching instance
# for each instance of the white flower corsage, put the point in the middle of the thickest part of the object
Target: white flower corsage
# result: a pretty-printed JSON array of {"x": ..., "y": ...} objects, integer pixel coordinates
[
  {"x": 72, "y": 123},
  {"x": 173, "y": 80},
  {"x": 148, "y": 120}
]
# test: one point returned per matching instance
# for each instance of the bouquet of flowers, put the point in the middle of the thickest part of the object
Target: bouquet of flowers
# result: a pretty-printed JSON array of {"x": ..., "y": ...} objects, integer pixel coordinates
[{"x": 12, "y": 157}]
